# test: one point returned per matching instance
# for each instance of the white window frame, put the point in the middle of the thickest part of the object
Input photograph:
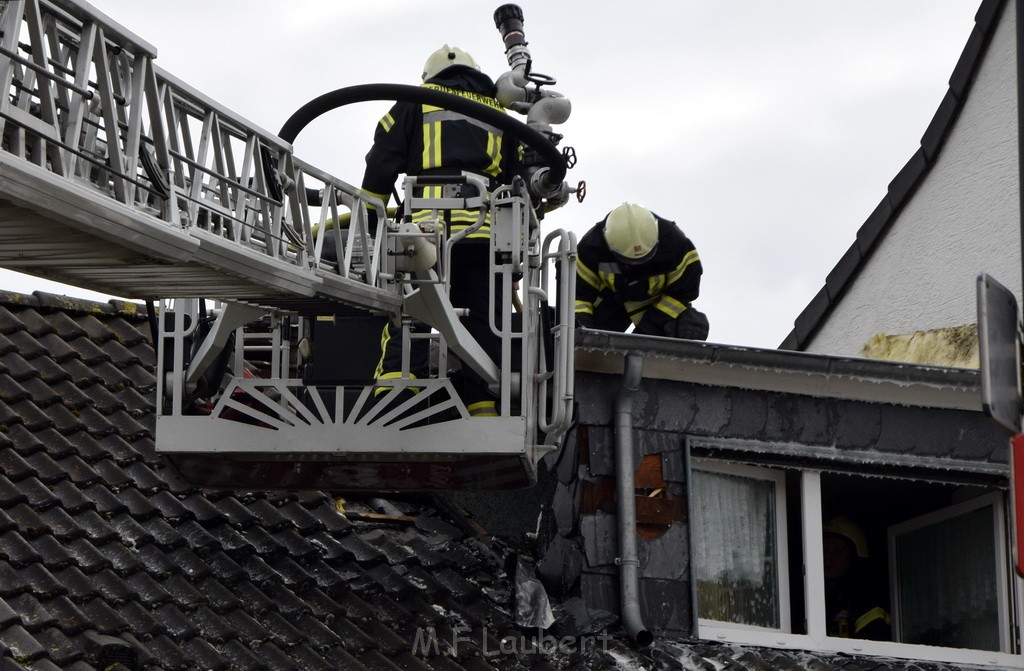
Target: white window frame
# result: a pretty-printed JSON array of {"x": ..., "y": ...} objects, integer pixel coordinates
[
  {"x": 1002, "y": 569},
  {"x": 814, "y": 596},
  {"x": 778, "y": 479}
]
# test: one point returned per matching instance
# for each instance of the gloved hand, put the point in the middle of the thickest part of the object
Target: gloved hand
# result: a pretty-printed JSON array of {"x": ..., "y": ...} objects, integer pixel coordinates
[
  {"x": 584, "y": 320},
  {"x": 692, "y": 324}
]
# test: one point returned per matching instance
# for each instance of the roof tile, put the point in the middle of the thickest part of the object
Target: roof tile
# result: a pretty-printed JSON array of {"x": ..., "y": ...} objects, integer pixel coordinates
[
  {"x": 33, "y": 616},
  {"x": 17, "y": 367},
  {"x": 23, "y": 440},
  {"x": 86, "y": 350},
  {"x": 11, "y": 390},
  {"x": 281, "y": 630},
  {"x": 143, "y": 623},
  {"x": 104, "y": 618},
  {"x": 86, "y": 556},
  {"x": 170, "y": 508},
  {"x": 194, "y": 568},
  {"x": 72, "y": 466},
  {"x": 170, "y": 654},
  {"x": 127, "y": 334},
  {"x": 205, "y": 656},
  {"x": 17, "y": 550},
  {"x": 27, "y": 345},
  {"x": 43, "y": 394},
  {"x": 88, "y": 326},
  {"x": 53, "y": 552},
  {"x": 68, "y": 616},
  {"x": 222, "y": 600},
  {"x": 29, "y": 522},
  {"x": 56, "y": 348},
  {"x": 80, "y": 373},
  {"x": 70, "y": 497},
  {"x": 179, "y": 626},
  {"x": 106, "y": 502},
  {"x": 247, "y": 627},
  {"x": 47, "y": 470},
  {"x": 240, "y": 657},
  {"x": 157, "y": 562},
  {"x": 113, "y": 589},
  {"x": 14, "y": 467},
  {"x": 39, "y": 495},
  {"x": 149, "y": 591},
  {"x": 237, "y": 513},
  {"x": 22, "y": 645},
  {"x": 213, "y": 627},
  {"x": 118, "y": 354},
  {"x": 123, "y": 559},
  {"x": 10, "y": 494},
  {"x": 184, "y": 592}
]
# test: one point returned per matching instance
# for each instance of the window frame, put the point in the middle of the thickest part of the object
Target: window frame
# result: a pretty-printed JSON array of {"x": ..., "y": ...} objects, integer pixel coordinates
[
  {"x": 816, "y": 638},
  {"x": 1003, "y": 595},
  {"x": 778, "y": 479}
]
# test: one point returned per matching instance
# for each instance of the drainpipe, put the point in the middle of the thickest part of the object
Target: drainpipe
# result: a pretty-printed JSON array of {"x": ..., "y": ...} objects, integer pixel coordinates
[{"x": 629, "y": 574}]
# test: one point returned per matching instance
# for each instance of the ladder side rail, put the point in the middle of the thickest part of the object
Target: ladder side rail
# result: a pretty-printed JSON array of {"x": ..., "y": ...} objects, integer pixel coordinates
[
  {"x": 10, "y": 22},
  {"x": 310, "y": 247},
  {"x": 128, "y": 86},
  {"x": 173, "y": 316},
  {"x": 562, "y": 375},
  {"x": 242, "y": 202},
  {"x": 105, "y": 88},
  {"x": 44, "y": 89},
  {"x": 78, "y": 104}
]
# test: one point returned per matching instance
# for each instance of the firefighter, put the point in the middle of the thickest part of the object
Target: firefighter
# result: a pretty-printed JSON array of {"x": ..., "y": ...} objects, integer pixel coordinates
[
  {"x": 853, "y": 604},
  {"x": 420, "y": 139},
  {"x": 637, "y": 269}
]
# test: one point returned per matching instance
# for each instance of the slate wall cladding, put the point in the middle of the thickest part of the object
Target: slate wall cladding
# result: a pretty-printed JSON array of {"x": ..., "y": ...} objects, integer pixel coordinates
[{"x": 578, "y": 558}]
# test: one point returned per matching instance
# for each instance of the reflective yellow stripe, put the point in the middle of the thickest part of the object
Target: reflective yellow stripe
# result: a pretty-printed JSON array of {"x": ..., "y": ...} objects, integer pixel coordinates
[
  {"x": 655, "y": 284},
  {"x": 587, "y": 275},
  {"x": 385, "y": 336},
  {"x": 494, "y": 151},
  {"x": 607, "y": 279},
  {"x": 432, "y": 145},
  {"x": 386, "y": 122},
  {"x": 482, "y": 409},
  {"x": 586, "y": 307},
  {"x": 876, "y": 613},
  {"x": 670, "y": 306},
  {"x": 688, "y": 260}
]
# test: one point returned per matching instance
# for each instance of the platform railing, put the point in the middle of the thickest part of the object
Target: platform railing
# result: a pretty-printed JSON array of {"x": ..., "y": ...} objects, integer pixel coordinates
[{"x": 83, "y": 100}]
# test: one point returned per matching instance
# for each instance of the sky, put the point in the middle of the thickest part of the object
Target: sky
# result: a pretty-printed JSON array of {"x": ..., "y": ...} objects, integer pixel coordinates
[{"x": 768, "y": 131}]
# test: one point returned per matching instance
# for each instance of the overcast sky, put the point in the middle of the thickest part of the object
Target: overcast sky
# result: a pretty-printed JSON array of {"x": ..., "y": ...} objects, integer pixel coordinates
[{"x": 768, "y": 130}]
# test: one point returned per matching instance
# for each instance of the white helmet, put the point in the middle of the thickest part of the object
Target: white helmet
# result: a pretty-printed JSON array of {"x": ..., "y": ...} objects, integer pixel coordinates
[
  {"x": 445, "y": 57},
  {"x": 631, "y": 232}
]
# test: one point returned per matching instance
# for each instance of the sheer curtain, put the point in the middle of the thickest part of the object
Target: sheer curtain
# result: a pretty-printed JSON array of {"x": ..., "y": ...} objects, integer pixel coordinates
[{"x": 736, "y": 561}]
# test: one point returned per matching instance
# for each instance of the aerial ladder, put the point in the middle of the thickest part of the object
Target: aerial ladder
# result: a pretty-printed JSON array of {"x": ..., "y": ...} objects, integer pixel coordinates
[{"x": 120, "y": 178}]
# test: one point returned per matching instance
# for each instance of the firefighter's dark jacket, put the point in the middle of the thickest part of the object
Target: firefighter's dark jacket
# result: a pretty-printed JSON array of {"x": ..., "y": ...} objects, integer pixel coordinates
[
  {"x": 652, "y": 293},
  {"x": 417, "y": 139}
]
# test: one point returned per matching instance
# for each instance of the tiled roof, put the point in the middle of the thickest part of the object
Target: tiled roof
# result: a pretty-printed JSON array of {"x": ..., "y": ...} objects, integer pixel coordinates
[
  {"x": 902, "y": 187},
  {"x": 108, "y": 560}
]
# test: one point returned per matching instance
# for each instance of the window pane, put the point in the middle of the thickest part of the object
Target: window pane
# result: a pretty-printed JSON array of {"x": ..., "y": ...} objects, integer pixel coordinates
[
  {"x": 735, "y": 549},
  {"x": 946, "y": 576}
]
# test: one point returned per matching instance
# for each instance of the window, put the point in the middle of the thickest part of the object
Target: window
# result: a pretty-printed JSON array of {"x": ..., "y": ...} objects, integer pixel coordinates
[
  {"x": 740, "y": 545},
  {"x": 932, "y": 578},
  {"x": 948, "y": 579}
]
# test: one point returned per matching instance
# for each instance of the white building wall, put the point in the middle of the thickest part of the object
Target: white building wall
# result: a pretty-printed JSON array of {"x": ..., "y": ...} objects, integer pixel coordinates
[{"x": 963, "y": 219}]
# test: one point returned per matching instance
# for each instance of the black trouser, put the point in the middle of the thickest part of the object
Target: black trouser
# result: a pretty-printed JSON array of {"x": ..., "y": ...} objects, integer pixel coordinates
[{"x": 469, "y": 289}]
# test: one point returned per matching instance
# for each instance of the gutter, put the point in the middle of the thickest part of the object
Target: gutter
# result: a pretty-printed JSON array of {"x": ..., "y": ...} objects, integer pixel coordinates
[{"x": 629, "y": 575}]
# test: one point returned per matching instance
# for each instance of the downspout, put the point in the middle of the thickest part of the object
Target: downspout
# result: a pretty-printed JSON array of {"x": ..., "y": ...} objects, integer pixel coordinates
[{"x": 629, "y": 574}]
